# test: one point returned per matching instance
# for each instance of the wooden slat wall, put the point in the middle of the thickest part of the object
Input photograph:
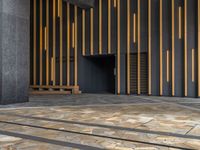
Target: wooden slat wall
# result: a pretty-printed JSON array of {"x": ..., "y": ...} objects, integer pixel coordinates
[
  {"x": 49, "y": 48},
  {"x": 52, "y": 53}
]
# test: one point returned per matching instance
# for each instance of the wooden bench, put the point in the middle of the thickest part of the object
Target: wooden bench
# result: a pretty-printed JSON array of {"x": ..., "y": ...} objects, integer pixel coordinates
[{"x": 60, "y": 90}]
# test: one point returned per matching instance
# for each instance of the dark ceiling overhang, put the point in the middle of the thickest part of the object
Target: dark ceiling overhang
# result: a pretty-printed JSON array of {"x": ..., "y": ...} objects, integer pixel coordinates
[{"x": 82, "y": 3}]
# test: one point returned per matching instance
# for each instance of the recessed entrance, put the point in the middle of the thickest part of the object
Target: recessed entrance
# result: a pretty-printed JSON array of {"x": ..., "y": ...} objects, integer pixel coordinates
[{"x": 99, "y": 75}]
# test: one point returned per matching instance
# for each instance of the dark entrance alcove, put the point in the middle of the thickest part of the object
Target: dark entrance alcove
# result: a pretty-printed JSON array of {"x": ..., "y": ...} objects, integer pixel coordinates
[{"x": 98, "y": 75}]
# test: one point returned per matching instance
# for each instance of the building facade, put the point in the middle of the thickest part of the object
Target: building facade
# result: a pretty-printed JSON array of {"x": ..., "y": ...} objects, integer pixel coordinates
[{"x": 142, "y": 47}]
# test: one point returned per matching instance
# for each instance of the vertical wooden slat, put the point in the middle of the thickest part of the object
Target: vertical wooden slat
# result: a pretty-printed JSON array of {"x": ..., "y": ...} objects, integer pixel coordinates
[
  {"x": 35, "y": 45},
  {"x": 75, "y": 46},
  {"x": 109, "y": 26},
  {"x": 167, "y": 63},
  {"x": 134, "y": 28},
  {"x": 173, "y": 51},
  {"x": 149, "y": 47},
  {"x": 83, "y": 32},
  {"x": 47, "y": 42},
  {"x": 139, "y": 46},
  {"x": 180, "y": 22},
  {"x": 118, "y": 47},
  {"x": 91, "y": 31},
  {"x": 68, "y": 44},
  {"x": 128, "y": 46},
  {"x": 161, "y": 46},
  {"x": 54, "y": 42},
  {"x": 100, "y": 27},
  {"x": 198, "y": 48},
  {"x": 185, "y": 50},
  {"x": 193, "y": 65},
  {"x": 41, "y": 41},
  {"x": 61, "y": 41}
]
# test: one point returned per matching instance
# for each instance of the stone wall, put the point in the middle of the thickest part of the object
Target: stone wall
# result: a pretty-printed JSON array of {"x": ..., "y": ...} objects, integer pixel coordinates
[{"x": 14, "y": 50}]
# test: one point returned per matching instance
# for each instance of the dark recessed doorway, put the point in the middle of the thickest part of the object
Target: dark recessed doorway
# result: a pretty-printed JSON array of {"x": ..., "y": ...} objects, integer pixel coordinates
[{"x": 99, "y": 76}]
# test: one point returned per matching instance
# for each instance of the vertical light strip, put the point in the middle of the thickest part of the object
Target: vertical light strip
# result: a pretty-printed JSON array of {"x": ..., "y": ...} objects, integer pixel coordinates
[
  {"x": 83, "y": 32},
  {"x": 45, "y": 38},
  {"x": 75, "y": 46},
  {"x": 61, "y": 43},
  {"x": 115, "y": 3},
  {"x": 91, "y": 31},
  {"x": 128, "y": 46},
  {"x": 193, "y": 66},
  {"x": 149, "y": 47},
  {"x": 47, "y": 42},
  {"x": 139, "y": 46},
  {"x": 180, "y": 22},
  {"x": 198, "y": 48},
  {"x": 100, "y": 27},
  {"x": 185, "y": 49},
  {"x": 161, "y": 46},
  {"x": 35, "y": 45},
  {"x": 58, "y": 5},
  {"x": 68, "y": 44},
  {"x": 109, "y": 26},
  {"x": 54, "y": 42},
  {"x": 134, "y": 28},
  {"x": 173, "y": 51},
  {"x": 167, "y": 58},
  {"x": 73, "y": 32},
  {"x": 41, "y": 41},
  {"x": 52, "y": 62},
  {"x": 118, "y": 47}
]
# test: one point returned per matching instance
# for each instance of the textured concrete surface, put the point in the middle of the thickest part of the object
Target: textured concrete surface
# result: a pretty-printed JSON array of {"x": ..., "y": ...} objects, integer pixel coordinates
[
  {"x": 90, "y": 121},
  {"x": 14, "y": 47}
]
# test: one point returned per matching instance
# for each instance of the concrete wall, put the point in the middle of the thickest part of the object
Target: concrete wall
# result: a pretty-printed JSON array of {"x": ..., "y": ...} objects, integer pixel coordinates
[{"x": 14, "y": 50}]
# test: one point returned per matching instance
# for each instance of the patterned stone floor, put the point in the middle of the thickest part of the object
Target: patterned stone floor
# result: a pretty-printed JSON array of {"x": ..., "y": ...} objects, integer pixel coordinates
[{"x": 90, "y": 121}]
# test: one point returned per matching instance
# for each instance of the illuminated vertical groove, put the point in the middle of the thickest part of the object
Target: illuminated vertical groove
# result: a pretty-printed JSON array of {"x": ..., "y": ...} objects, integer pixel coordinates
[
  {"x": 45, "y": 38},
  {"x": 61, "y": 42},
  {"x": 41, "y": 41},
  {"x": 180, "y": 22},
  {"x": 47, "y": 42},
  {"x": 193, "y": 66},
  {"x": 52, "y": 62},
  {"x": 75, "y": 46},
  {"x": 173, "y": 51},
  {"x": 68, "y": 44},
  {"x": 149, "y": 47},
  {"x": 128, "y": 46},
  {"x": 134, "y": 28},
  {"x": 100, "y": 26},
  {"x": 73, "y": 34},
  {"x": 54, "y": 42},
  {"x": 161, "y": 46},
  {"x": 198, "y": 48},
  {"x": 35, "y": 47},
  {"x": 91, "y": 31},
  {"x": 109, "y": 26},
  {"x": 58, "y": 5},
  {"x": 167, "y": 58},
  {"x": 185, "y": 49},
  {"x": 115, "y": 3},
  {"x": 83, "y": 32},
  {"x": 139, "y": 47},
  {"x": 118, "y": 47}
]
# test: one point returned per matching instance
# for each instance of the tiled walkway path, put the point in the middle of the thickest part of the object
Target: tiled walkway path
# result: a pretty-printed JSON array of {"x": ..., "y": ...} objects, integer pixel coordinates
[{"x": 90, "y": 121}]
